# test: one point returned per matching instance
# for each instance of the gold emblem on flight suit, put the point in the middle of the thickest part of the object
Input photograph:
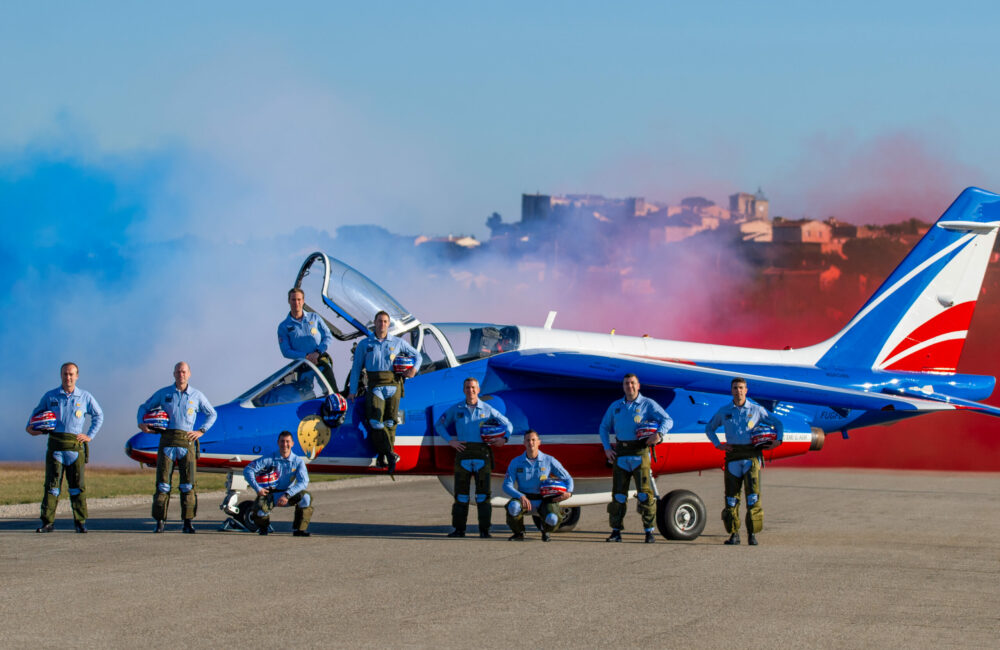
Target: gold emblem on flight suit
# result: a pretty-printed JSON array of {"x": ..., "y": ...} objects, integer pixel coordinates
[
  {"x": 637, "y": 419},
  {"x": 313, "y": 435}
]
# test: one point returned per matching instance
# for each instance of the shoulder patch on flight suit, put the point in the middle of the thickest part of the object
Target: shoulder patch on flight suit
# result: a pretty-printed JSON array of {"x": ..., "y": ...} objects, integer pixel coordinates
[
  {"x": 729, "y": 416},
  {"x": 168, "y": 399}
]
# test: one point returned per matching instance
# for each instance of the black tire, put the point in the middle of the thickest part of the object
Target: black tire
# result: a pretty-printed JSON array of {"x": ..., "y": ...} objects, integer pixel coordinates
[
  {"x": 246, "y": 515},
  {"x": 571, "y": 517},
  {"x": 680, "y": 515}
]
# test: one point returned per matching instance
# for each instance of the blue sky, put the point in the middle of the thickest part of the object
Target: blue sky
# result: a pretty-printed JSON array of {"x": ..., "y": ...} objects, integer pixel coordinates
[{"x": 164, "y": 167}]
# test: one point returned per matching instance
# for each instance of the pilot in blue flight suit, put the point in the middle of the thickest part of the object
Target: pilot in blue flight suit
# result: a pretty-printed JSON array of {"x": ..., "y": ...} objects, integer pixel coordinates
[
  {"x": 744, "y": 460},
  {"x": 376, "y": 355},
  {"x": 631, "y": 455},
  {"x": 474, "y": 459},
  {"x": 523, "y": 484},
  {"x": 304, "y": 335},
  {"x": 280, "y": 480},
  {"x": 67, "y": 446},
  {"x": 178, "y": 444}
]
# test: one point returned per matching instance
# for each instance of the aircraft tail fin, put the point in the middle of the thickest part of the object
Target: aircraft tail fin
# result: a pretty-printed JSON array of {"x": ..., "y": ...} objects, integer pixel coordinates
[{"x": 919, "y": 318}]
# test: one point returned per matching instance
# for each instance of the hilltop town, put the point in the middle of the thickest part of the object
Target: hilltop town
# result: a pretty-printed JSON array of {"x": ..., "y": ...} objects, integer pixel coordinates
[{"x": 610, "y": 241}]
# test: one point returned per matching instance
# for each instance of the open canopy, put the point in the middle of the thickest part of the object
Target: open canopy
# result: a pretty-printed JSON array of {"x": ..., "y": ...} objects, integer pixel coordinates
[{"x": 355, "y": 299}]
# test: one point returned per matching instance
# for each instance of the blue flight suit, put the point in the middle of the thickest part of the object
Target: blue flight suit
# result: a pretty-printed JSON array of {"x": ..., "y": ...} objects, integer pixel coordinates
[
  {"x": 299, "y": 338},
  {"x": 632, "y": 461},
  {"x": 385, "y": 388},
  {"x": 183, "y": 407},
  {"x": 475, "y": 461},
  {"x": 524, "y": 478},
  {"x": 64, "y": 453},
  {"x": 743, "y": 462},
  {"x": 292, "y": 481}
]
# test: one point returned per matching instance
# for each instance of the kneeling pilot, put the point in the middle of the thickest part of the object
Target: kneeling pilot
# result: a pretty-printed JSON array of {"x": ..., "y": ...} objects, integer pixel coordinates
[
  {"x": 280, "y": 480},
  {"x": 535, "y": 482}
]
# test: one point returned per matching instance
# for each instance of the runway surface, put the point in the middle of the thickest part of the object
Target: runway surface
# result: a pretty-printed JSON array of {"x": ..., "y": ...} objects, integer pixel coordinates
[{"x": 847, "y": 559}]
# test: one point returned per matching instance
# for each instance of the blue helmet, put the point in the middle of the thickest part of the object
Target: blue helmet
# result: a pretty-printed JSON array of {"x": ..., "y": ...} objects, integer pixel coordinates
[
  {"x": 403, "y": 363},
  {"x": 333, "y": 410},
  {"x": 156, "y": 419},
  {"x": 553, "y": 487},
  {"x": 492, "y": 430},
  {"x": 763, "y": 434},
  {"x": 267, "y": 478},
  {"x": 44, "y": 421},
  {"x": 647, "y": 429}
]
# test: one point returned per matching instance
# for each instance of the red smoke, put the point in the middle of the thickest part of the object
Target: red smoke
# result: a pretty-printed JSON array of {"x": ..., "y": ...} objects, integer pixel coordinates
[
  {"x": 880, "y": 181},
  {"x": 944, "y": 441}
]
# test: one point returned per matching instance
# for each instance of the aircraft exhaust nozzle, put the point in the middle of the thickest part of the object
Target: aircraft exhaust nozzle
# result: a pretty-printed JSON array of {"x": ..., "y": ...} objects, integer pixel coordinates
[{"x": 818, "y": 438}]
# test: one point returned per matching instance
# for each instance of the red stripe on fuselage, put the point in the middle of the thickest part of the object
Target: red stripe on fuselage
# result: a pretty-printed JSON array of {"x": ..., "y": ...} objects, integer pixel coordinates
[{"x": 582, "y": 461}]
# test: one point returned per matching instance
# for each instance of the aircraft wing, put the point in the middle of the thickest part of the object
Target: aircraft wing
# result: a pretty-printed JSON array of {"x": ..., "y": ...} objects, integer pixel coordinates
[{"x": 588, "y": 368}]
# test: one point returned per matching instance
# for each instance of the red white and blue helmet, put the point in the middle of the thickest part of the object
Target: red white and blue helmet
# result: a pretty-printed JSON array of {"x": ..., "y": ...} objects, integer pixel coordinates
[
  {"x": 492, "y": 430},
  {"x": 156, "y": 419},
  {"x": 333, "y": 410},
  {"x": 552, "y": 487},
  {"x": 403, "y": 363},
  {"x": 763, "y": 434},
  {"x": 647, "y": 429},
  {"x": 267, "y": 477},
  {"x": 44, "y": 421}
]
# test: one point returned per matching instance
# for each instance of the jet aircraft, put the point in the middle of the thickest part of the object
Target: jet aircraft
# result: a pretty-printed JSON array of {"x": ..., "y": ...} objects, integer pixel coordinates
[{"x": 895, "y": 359}]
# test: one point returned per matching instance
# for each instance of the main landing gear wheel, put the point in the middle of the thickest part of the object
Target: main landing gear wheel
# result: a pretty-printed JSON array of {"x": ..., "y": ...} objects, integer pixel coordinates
[
  {"x": 246, "y": 515},
  {"x": 571, "y": 517},
  {"x": 680, "y": 515}
]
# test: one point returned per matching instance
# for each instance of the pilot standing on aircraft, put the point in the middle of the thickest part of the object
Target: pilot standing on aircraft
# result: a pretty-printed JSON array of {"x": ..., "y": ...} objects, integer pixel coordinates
[
  {"x": 304, "y": 335},
  {"x": 280, "y": 480},
  {"x": 743, "y": 459},
  {"x": 631, "y": 454},
  {"x": 178, "y": 443},
  {"x": 67, "y": 447},
  {"x": 473, "y": 459},
  {"x": 523, "y": 484},
  {"x": 376, "y": 355}
]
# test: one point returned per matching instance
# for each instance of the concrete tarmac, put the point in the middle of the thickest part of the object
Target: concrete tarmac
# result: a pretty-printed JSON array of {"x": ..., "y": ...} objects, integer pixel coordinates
[{"x": 847, "y": 559}]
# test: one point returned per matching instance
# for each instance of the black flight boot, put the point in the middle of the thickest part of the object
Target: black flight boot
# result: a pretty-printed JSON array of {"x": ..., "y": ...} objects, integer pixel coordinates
[
  {"x": 650, "y": 538},
  {"x": 45, "y": 528},
  {"x": 516, "y": 537},
  {"x": 615, "y": 536},
  {"x": 81, "y": 527},
  {"x": 734, "y": 540},
  {"x": 301, "y": 533},
  {"x": 160, "y": 525},
  {"x": 188, "y": 527},
  {"x": 752, "y": 539},
  {"x": 457, "y": 533}
]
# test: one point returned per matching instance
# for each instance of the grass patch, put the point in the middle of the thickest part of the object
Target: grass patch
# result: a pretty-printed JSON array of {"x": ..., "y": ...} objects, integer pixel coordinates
[{"x": 23, "y": 482}]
